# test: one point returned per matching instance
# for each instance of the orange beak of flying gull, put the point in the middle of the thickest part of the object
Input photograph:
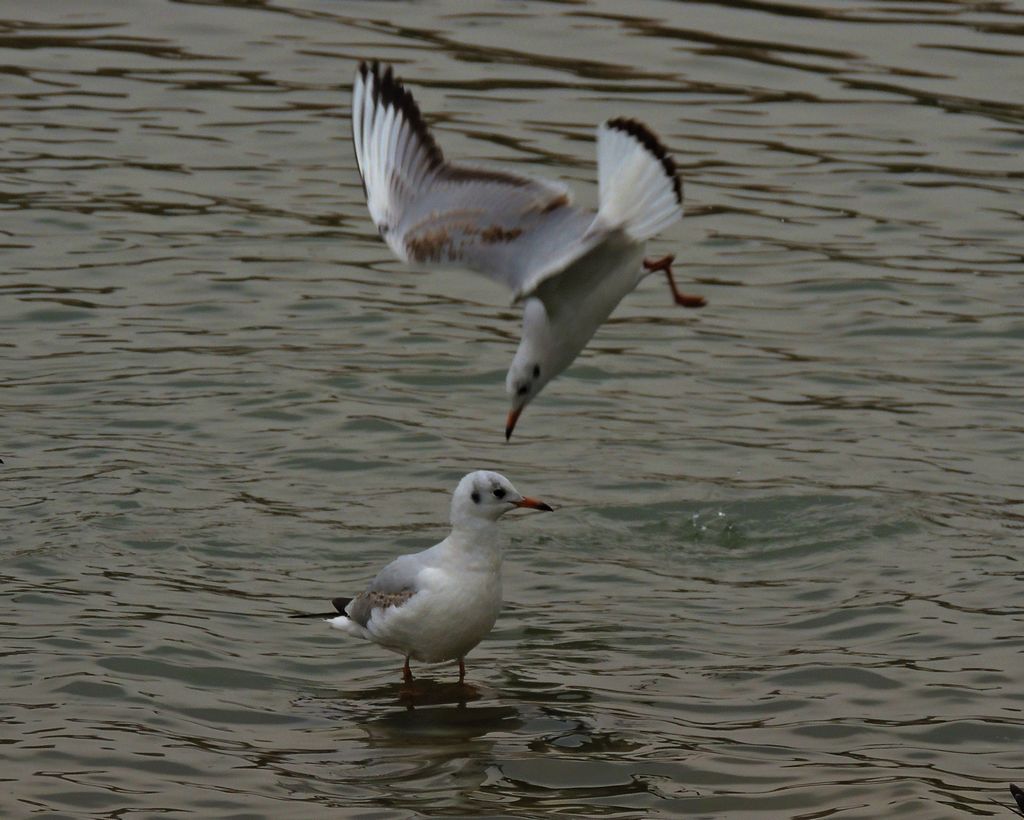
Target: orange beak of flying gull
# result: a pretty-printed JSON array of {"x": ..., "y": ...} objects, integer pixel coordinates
[{"x": 510, "y": 422}]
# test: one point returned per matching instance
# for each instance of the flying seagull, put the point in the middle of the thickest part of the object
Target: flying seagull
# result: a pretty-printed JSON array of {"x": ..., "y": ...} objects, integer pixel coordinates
[{"x": 569, "y": 266}]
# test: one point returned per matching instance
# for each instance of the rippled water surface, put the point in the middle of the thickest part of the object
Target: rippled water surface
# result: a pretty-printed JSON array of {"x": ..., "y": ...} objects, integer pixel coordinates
[{"x": 785, "y": 578}]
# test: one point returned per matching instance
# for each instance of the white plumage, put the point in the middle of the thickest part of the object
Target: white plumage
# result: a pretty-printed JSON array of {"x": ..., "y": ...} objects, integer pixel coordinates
[
  {"x": 570, "y": 266},
  {"x": 436, "y": 605}
]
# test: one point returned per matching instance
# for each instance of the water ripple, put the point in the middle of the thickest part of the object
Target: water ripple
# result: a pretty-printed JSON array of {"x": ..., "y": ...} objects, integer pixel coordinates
[{"x": 783, "y": 579}]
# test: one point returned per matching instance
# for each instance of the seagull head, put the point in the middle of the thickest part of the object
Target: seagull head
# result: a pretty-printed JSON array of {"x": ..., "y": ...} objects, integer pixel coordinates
[
  {"x": 526, "y": 377},
  {"x": 485, "y": 496},
  {"x": 542, "y": 354}
]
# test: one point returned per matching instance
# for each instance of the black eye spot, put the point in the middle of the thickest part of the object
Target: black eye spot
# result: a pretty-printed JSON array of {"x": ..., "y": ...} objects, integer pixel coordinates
[
  {"x": 476, "y": 497},
  {"x": 536, "y": 371},
  {"x": 523, "y": 390},
  {"x": 499, "y": 493}
]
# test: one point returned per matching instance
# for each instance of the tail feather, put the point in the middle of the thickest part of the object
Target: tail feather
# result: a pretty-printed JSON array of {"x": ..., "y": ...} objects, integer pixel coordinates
[
  {"x": 640, "y": 190},
  {"x": 339, "y": 605}
]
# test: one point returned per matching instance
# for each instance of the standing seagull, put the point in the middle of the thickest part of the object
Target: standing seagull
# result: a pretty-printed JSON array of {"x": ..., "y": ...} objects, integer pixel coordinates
[
  {"x": 438, "y": 604},
  {"x": 569, "y": 266}
]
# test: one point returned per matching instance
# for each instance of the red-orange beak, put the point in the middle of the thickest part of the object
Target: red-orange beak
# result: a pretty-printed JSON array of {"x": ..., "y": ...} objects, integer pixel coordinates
[
  {"x": 510, "y": 423},
  {"x": 534, "y": 504}
]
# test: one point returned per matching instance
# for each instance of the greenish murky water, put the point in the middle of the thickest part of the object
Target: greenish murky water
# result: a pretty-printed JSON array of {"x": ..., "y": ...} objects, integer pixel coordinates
[{"x": 785, "y": 578}]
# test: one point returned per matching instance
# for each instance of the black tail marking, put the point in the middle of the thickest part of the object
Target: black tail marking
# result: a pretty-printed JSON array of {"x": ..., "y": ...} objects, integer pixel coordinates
[{"x": 339, "y": 605}]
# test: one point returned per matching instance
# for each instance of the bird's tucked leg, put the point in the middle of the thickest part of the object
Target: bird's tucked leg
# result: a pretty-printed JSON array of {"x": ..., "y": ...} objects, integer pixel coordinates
[
  {"x": 462, "y": 670},
  {"x": 665, "y": 264},
  {"x": 407, "y": 672}
]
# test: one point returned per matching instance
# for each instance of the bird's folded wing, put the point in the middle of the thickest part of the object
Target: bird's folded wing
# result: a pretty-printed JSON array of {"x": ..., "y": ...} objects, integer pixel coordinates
[
  {"x": 363, "y": 605},
  {"x": 512, "y": 228},
  {"x": 393, "y": 586}
]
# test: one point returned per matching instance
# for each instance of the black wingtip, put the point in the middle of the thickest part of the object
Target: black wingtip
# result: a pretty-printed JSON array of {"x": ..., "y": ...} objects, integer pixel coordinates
[
  {"x": 339, "y": 605},
  {"x": 649, "y": 140},
  {"x": 387, "y": 89}
]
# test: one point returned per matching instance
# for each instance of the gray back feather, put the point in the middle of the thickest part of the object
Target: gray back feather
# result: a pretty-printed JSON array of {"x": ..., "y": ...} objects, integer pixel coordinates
[{"x": 394, "y": 585}]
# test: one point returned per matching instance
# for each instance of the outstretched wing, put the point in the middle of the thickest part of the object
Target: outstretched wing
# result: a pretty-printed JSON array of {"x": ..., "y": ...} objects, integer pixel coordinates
[{"x": 514, "y": 229}]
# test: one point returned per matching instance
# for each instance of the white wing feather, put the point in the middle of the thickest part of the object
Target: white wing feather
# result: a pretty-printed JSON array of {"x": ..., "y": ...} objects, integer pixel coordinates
[
  {"x": 640, "y": 190},
  {"x": 512, "y": 228},
  {"x": 515, "y": 229}
]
